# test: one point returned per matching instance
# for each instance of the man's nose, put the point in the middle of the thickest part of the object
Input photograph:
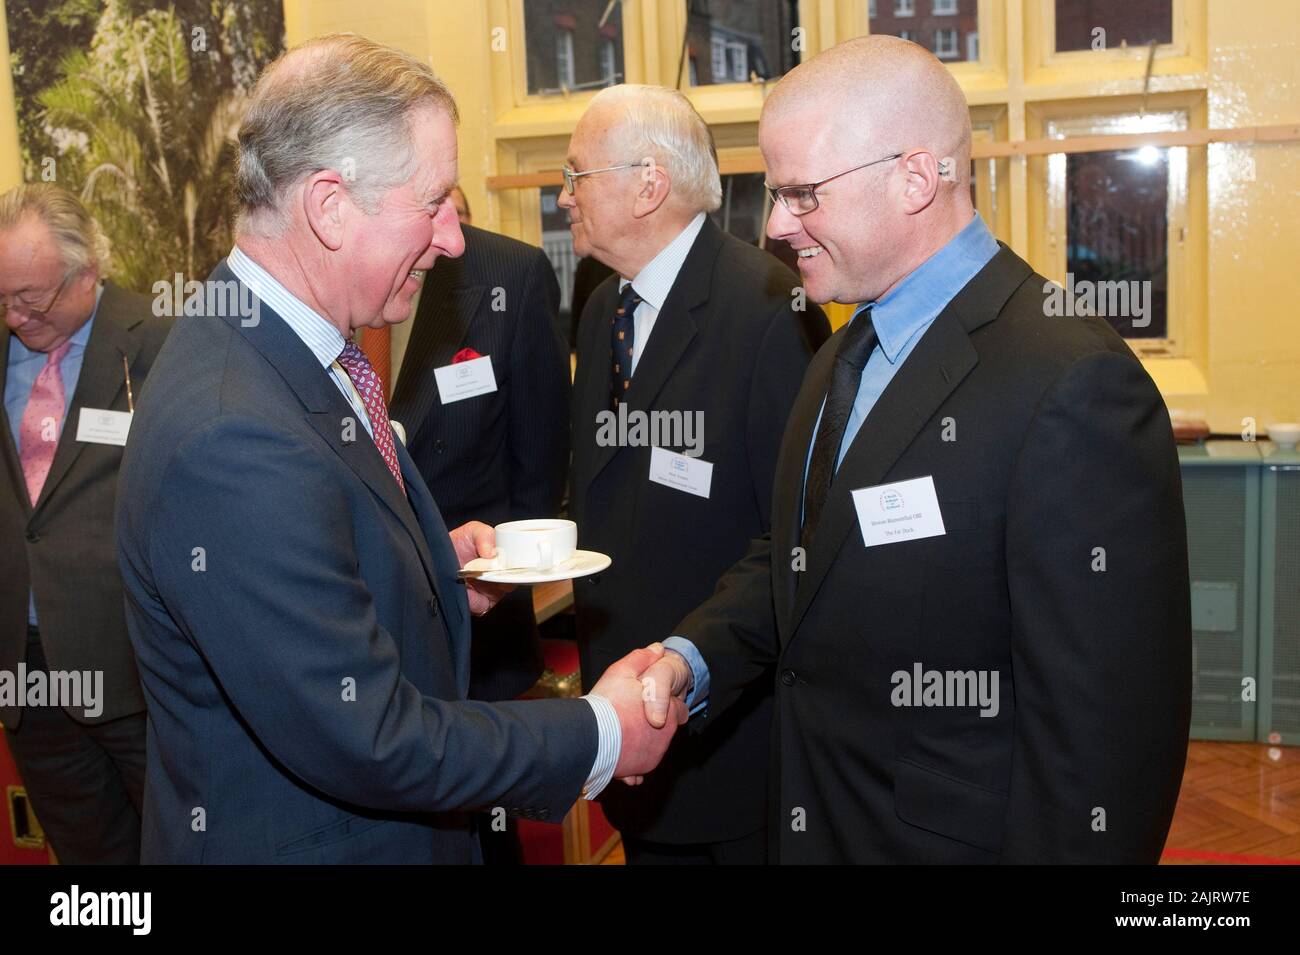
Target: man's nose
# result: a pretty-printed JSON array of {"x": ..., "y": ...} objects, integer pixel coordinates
[
  {"x": 781, "y": 223},
  {"x": 451, "y": 241},
  {"x": 565, "y": 201}
]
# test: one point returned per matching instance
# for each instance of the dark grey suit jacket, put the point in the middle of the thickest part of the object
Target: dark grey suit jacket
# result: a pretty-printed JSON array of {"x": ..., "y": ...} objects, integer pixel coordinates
[
  {"x": 63, "y": 547},
  {"x": 302, "y": 635}
]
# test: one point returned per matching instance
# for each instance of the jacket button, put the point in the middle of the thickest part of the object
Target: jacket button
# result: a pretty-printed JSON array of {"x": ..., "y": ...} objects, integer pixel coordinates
[
  {"x": 433, "y": 606},
  {"x": 33, "y": 537},
  {"x": 439, "y": 446},
  {"x": 594, "y": 578},
  {"x": 788, "y": 677}
]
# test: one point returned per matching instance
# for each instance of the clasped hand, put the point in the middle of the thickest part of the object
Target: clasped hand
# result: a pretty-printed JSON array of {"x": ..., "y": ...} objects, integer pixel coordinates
[{"x": 647, "y": 689}]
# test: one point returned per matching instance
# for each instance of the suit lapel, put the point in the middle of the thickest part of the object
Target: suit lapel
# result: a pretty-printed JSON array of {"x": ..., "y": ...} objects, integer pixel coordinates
[
  {"x": 12, "y": 463},
  {"x": 328, "y": 412},
  {"x": 674, "y": 329},
  {"x": 937, "y": 365},
  {"x": 101, "y": 380}
]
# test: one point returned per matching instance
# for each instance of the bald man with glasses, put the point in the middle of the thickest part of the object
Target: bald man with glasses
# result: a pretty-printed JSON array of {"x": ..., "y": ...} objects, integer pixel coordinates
[
  {"x": 974, "y": 600},
  {"x": 76, "y": 348}
]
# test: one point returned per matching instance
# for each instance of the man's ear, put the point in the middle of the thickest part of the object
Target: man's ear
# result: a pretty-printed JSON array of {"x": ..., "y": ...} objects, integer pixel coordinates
[
  {"x": 923, "y": 180},
  {"x": 653, "y": 187},
  {"x": 323, "y": 204}
]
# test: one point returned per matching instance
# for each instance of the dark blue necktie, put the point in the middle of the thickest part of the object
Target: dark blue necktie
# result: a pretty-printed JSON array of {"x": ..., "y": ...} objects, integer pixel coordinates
[
  {"x": 622, "y": 335},
  {"x": 846, "y": 374}
]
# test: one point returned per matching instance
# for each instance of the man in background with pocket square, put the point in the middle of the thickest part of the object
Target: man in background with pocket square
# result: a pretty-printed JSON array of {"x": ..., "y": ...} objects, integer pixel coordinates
[
  {"x": 71, "y": 341},
  {"x": 698, "y": 325},
  {"x": 974, "y": 596},
  {"x": 501, "y": 453}
]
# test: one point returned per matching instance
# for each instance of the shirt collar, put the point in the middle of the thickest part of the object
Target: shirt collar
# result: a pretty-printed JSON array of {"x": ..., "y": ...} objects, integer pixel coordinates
[
  {"x": 655, "y": 281},
  {"x": 324, "y": 340},
  {"x": 925, "y": 292}
]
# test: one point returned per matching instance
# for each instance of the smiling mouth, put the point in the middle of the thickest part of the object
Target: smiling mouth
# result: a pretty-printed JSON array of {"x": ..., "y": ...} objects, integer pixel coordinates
[{"x": 810, "y": 251}]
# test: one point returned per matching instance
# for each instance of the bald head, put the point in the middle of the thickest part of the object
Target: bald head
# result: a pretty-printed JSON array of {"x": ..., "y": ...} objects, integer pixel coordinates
[{"x": 883, "y": 93}]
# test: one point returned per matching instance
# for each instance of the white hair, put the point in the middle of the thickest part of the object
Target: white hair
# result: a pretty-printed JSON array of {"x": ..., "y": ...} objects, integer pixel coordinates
[
  {"x": 661, "y": 123},
  {"x": 339, "y": 102},
  {"x": 81, "y": 242}
]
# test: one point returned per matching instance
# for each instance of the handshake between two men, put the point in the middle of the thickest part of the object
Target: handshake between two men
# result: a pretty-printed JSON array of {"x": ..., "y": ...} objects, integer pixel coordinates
[{"x": 647, "y": 688}]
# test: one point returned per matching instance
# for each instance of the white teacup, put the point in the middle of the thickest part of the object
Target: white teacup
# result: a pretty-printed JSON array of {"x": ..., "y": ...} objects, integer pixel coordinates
[{"x": 537, "y": 544}]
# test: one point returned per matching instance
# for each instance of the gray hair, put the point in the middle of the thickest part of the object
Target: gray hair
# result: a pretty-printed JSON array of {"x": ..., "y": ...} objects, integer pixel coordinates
[
  {"x": 658, "y": 122},
  {"x": 81, "y": 242},
  {"x": 338, "y": 102}
]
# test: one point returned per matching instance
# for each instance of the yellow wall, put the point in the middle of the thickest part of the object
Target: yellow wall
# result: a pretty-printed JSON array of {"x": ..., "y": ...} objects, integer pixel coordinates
[{"x": 1233, "y": 64}]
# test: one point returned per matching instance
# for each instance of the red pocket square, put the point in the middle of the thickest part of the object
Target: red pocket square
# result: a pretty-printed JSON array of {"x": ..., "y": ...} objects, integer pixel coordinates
[{"x": 465, "y": 354}]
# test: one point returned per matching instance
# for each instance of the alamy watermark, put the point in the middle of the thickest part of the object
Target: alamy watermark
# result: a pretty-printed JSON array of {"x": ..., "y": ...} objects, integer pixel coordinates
[
  {"x": 955, "y": 688},
  {"x": 229, "y": 299},
  {"x": 659, "y": 429},
  {"x": 1125, "y": 299},
  {"x": 68, "y": 689}
]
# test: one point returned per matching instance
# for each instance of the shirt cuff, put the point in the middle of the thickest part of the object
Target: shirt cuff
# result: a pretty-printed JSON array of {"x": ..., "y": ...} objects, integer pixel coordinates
[
  {"x": 611, "y": 742},
  {"x": 698, "y": 698}
]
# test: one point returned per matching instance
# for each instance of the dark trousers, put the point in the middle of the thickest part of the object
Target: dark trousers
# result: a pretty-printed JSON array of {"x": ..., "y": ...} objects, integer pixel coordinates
[
  {"x": 85, "y": 782},
  {"x": 747, "y": 850}
]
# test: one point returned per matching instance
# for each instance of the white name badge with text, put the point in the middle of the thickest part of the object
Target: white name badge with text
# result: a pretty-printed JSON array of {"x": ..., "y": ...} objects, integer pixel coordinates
[
  {"x": 904, "y": 510},
  {"x": 681, "y": 473},
  {"x": 101, "y": 426},
  {"x": 465, "y": 379}
]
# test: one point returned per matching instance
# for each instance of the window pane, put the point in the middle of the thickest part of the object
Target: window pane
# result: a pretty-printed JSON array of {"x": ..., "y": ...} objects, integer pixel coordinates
[
  {"x": 743, "y": 213},
  {"x": 727, "y": 41},
  {"x": 949, "y": 28},
  {"x": 568, "y": 48},
  {"x": 1119, "y": 22},
  {"x": 1117, "y": 233}
]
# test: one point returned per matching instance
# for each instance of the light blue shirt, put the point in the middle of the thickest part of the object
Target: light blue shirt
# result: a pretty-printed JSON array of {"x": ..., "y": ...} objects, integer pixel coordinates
[
  {"x": 901, "y": 318},
  {"x": 326, "y": 343},
  {"x": 23, "y": 367}
]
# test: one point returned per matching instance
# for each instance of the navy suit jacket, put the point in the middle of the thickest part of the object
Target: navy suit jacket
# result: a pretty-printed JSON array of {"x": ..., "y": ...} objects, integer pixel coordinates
[{"x": 302, "y": 638}]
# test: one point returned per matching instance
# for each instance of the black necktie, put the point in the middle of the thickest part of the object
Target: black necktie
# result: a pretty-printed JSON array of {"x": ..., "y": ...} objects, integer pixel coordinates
[
  {"x": 850, "y": 358},
  {"x": 622, "y": 336}
]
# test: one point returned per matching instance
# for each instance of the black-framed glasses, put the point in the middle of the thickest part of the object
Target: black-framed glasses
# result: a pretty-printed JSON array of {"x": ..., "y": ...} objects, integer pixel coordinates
[
  {"x": 570, "y": 177},
  {"x": 801, "y": 200},
  {"x": 27, "y": 306}
]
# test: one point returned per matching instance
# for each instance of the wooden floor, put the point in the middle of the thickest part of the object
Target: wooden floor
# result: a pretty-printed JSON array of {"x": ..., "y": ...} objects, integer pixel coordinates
[{"x": 1240, "y": 804}]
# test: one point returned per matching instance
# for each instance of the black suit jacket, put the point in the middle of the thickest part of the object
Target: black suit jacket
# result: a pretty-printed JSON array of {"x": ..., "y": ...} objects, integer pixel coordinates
[
  {"x": 727, "y": 343},
  {"x": 1046, "y": 440},
  {"x": 500, "y": 456},
  {"x": 63, "y": 547}
]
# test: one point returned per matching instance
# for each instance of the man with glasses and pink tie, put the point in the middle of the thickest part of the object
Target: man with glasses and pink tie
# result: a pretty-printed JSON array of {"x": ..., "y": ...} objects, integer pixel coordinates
[{"x": 76, "y": 348}]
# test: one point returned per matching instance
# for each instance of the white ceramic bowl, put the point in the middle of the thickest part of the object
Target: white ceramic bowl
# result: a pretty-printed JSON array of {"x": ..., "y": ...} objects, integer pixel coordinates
[{"x": 1284, "y": 434}]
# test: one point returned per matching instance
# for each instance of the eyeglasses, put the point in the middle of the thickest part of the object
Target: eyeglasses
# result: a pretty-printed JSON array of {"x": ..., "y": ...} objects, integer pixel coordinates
[
  {"x": 801, "y": 200},
  {"x": 570, "y": 177},
  {"x": 27, "y": 306}
]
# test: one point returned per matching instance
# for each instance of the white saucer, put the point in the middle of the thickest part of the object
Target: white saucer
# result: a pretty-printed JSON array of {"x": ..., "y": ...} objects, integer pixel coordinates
[{"x": 581, "y": 564}]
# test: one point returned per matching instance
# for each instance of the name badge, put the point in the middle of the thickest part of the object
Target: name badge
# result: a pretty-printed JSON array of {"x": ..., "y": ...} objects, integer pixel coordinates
[
  {"x": 906, "y": 510},
  {"x": 681, "y": 473},
  {"x": 465, "y": 379},
  {"x": 100, "y": 426}
]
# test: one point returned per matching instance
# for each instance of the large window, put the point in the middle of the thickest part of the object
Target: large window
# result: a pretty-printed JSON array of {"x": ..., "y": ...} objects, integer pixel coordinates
[
  {"x": 1118, "y": 225},
  {"x": 745, "y": 39},
  {"x": 948, "y": 27},
  {"x": 572, "y": 45}
]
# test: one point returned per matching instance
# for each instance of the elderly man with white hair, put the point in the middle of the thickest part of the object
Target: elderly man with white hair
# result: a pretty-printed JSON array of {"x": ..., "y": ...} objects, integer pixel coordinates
[
  {"x": 688, "y": 360},
  {"x": 984, "y": 652},
  {"x": 77, "y": 349},
  {"x": 292, "y": 590}
]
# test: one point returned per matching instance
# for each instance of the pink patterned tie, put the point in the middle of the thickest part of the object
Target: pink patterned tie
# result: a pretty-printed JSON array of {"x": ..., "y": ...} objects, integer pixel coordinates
[
  {"x": 39, "y": 432},
  {"x": 371, "y": 389}
]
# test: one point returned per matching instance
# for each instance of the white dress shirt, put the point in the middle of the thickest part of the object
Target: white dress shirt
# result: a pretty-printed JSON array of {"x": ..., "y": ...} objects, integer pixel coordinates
[{"x": 655, "y": 281}]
